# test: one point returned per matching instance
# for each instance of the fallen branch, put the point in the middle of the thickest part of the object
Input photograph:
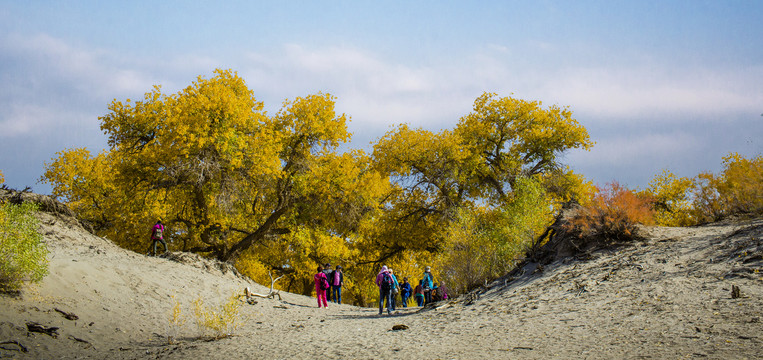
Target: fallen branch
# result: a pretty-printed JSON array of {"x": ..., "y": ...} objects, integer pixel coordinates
[
  {"x": 270, "y": 295},
  {"x": 67, "y": 315},
  {"x": 81, "y": 340},
  {"x": 35, "y": 327},
  {"x": 21, "y": 348}
]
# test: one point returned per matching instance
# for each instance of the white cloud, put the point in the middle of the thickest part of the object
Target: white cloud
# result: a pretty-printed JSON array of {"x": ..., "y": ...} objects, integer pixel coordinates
[
  {"x": 379, "y": 93},
  {"x": 332, "y": 60},
  {"x": 622, "y": 149},
  {"x": 52, "y": 84},
  {"x": 48, "y": 79},
  {"x": 658, "y": 93},
  {"x": 126, "y": 81},
  {"x": 17, "y": 120},
  {"x": 369, "y": 89},
  {"x": 38, "y": 122},
  {"x": 52, "y": 59}
]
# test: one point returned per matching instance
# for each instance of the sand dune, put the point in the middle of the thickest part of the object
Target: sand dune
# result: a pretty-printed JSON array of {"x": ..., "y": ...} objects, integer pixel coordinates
[{"x": 668, "y": 297}]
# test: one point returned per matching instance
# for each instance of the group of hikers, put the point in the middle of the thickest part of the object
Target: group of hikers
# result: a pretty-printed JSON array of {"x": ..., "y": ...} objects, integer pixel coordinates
[
  {"x": 329, "y": 283},
  {"x": 425, "y": 292}
]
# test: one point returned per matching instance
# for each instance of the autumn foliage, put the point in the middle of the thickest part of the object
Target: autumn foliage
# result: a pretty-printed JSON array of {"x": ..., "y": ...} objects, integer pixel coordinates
[
  {"x": 671, "y": 199},
  {"x": 737, "y": 191},
  {"x": 274, "y": 193},
  {"x": 280, "y": 193},
  {"x": 613, "y": 215},
  {"x": 485, "y": 243}
]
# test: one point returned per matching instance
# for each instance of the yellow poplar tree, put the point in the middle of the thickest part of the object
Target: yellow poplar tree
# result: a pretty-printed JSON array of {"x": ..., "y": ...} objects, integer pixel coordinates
[
  {"x": 736, "y": 191},
  {"x": 508, "y": 138},
  {"x": 670, "y": 196},
  {"x": 480, "y": 161},
  {"x": 218, "y": 171},
  {"x": 439, "y": 178}
]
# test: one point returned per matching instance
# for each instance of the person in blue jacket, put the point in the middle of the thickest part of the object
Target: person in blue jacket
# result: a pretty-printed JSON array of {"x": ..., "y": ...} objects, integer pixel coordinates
[
  {"x": 337, "y": 281},
  {"x": 395, "y": 289},
  {"x": 427, "y": 284},
  {"x": 405, "y": 291}
]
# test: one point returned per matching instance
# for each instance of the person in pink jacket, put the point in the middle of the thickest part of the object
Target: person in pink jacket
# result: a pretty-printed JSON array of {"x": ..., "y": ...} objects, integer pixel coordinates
[
  {"x": 385, "y": 283},
  {"x": 321, "y": 285},
  {"x": 157, "y": 236}
]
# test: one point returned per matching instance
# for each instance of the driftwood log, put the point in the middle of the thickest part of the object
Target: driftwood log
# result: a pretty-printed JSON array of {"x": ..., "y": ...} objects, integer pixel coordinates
[
  {"x": 67, "y": 315},
  {"x": 38, "y": 328},
  {"x": 6, "y": 345},
  {"x": 270, "y": 295}
]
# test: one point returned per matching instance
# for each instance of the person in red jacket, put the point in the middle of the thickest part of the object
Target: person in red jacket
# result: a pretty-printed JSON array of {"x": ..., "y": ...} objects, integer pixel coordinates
[{"x": 321, "y": 285}]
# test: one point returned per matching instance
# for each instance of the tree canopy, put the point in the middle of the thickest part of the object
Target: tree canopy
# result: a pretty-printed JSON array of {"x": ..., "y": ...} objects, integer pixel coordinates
[
  {"x": 478, "y": 163},
  {"x": 274, "y": 193},
  {"x": 214, "y": 166}
]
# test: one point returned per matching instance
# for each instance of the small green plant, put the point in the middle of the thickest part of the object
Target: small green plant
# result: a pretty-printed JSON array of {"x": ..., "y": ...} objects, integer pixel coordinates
[
  {"x": 221, "y": 322},
  {"x": 23, "y": 255},
  {"x": 176, "y": 322}
]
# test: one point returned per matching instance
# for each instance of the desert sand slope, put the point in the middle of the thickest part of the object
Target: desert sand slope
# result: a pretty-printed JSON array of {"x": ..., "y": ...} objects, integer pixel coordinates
[{"x": 668, "y": 297}]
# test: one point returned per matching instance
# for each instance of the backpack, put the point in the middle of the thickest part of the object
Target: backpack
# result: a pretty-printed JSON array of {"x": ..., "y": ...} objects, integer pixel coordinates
[
  {"x": 324, "y": 284},
  {"x": 158, "y": 233},
  {"x": 427, "y": 281},
  {"x": 386, "y": 282}
]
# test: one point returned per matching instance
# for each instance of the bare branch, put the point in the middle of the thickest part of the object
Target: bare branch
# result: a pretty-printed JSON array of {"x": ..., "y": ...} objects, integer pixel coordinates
[{"x": 270, "y": 295}]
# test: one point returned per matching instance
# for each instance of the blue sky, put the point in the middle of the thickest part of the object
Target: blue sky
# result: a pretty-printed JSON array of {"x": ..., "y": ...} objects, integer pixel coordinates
[{"x": 658, "y": 84}]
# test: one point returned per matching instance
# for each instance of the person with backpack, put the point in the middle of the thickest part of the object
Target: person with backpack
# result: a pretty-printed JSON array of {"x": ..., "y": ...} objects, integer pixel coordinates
[
  {"x": 327, "y": 271},
  {"x": 157, "y": 236},
  {"x": 418, "y": 293},
  {"x": 436, "y": 293},
  {"x": 395, "y": 288},
  {"x": 337, "y": 281},
  {"x": 321, "y": 285},
  {"x": 405, "y": 292},
  {"x": 443, "y": 291},
  {"x": 427, "y": 284},
  {"x": 385, "y": 283}
]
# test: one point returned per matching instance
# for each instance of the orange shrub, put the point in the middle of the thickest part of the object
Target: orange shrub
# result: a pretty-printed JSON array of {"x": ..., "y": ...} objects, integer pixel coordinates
[{"x": 613, "y": 214}]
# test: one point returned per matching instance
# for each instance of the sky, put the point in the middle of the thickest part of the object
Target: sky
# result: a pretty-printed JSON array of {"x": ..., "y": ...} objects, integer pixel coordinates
[{"x": 673, "y": 85}]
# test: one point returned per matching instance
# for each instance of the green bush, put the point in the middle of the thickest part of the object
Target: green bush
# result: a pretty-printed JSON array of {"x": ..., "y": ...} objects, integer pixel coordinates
[
  {"x": 23, "y": 255},
  {"x": 483, "y": 244}
]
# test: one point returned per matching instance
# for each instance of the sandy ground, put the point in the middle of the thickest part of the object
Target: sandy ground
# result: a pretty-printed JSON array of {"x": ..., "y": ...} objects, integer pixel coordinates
[{"x": 668, "y": 297}]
